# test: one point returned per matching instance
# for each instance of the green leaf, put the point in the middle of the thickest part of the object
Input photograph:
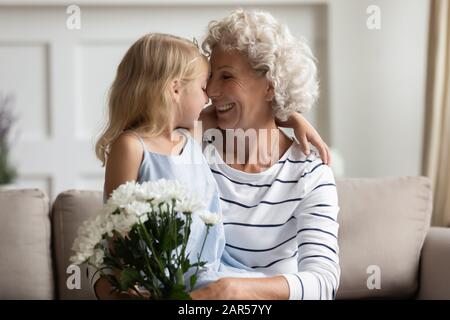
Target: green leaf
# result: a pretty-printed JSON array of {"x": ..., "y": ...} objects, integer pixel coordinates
[
  {"x": 199, "y": 264},
  {"x": 177, "y": 292},
  {"x": 185, "y": 265},
  {"x": 180, "y": 277},
  {"x": 128, "y": 278},
  {"x": 193, "y": 281},
  {"x": 166, "y": 241}
]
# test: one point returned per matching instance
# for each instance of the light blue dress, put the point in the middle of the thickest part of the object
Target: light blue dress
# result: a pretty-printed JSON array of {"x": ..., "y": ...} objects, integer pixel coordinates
[{"x": 190, "y": 169}]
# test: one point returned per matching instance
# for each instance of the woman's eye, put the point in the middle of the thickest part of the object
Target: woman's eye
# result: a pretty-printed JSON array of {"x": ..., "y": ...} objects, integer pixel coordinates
[{"x": 226, "y": 76}]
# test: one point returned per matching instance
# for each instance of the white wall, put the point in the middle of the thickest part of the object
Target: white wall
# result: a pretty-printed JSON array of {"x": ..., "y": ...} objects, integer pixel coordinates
[
  {"x": 377, "y": 86},
  {"x": 60, "y": 77},
  {"x": 372, "y": 94}
]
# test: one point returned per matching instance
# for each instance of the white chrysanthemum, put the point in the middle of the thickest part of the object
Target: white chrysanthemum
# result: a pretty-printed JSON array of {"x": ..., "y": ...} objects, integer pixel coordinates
[
  {"x": 108, "y": 208},
  {"x": 123, "y": 223},
  {"x": 189, "y": 205},
  {"x": 123, "y": 195},
  {"x": 169, "y": 190},
  {"x": 145, "y": 192},
  {"x": 128, "y": 205},
  {"x": 97, "y": 258},
  {"x": 138, "y": 208},
  {"x": 77, "y": 258},
  {"x": 160, "y": 191},
  {"x": 83, "y": 250},
  {"x": 89, "y": 234},
  {"x": 209, "y": 218},
  {"x": 107, "y": 226}
]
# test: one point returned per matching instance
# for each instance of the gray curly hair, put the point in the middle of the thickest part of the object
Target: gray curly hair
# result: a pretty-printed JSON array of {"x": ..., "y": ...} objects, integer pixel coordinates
[{"x": 272, "y": 50}]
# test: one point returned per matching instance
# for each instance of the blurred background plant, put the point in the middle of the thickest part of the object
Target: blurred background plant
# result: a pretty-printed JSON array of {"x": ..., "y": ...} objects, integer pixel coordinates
[{"x": 8, "y": 172}]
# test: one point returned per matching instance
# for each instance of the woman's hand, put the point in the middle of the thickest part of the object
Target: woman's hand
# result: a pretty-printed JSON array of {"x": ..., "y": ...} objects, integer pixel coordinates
[
  {"x": 270, "y": 288},
  {"x": 305, "y": 132},
  {"x": 221, "y": 289}
]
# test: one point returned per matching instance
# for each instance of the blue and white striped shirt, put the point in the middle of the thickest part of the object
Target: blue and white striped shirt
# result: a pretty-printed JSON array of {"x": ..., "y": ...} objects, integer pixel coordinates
[{"x": 283, "y": 221}]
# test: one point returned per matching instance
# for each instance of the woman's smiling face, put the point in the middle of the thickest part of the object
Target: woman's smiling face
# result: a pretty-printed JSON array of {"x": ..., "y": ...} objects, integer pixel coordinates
[{"x": 241, "y": 97}]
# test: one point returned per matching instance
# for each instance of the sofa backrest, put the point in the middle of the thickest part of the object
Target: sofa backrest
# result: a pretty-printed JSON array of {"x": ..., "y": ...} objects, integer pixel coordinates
[
  {"x": 26, "y": 270},
  {"x": 69, "y": 211},
  {"x": 383, "y": 224}
]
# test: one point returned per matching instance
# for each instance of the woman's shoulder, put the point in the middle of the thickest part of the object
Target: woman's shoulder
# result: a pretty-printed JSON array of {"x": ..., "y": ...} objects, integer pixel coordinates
[
  {"x": 296, "y": 155},
  {"x": 309, "y": 168}
]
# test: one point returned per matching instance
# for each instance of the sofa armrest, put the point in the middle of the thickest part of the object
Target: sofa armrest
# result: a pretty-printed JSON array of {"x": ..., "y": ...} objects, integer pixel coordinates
[{"x": 435, "y": 265}]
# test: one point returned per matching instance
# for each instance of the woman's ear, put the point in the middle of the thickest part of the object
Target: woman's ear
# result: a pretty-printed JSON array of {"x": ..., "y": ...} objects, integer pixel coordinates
[{"x": 270, "y": 91}]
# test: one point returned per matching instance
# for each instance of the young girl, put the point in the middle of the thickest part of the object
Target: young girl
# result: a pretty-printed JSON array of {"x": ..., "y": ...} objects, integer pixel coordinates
[{"x": 159, "y": 89}]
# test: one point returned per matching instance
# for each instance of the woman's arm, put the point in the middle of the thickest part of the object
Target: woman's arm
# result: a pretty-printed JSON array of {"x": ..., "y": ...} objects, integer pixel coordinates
[
  {"x": 317, "y": 235},
  {"x": 303, "y": 130},
  {"x": 270, "y": 288},
  {"x": 305, "y": 133}
]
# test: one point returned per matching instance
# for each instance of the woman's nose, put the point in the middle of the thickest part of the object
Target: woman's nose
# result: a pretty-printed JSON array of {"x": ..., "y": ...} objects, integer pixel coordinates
[{"x": 212, "y": 89}]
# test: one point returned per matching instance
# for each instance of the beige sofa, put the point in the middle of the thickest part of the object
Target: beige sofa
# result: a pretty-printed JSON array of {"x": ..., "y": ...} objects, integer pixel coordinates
[{"x": 387, "y": 248}]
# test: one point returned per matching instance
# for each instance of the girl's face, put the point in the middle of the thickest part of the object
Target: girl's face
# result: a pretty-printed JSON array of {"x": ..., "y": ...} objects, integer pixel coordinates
[
  {"x": 242, "y": 98},
  {"x": 193, "y": 99}
]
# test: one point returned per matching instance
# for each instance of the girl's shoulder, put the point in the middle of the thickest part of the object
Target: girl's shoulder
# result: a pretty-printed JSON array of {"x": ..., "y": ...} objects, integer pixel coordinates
[
  {"x": 127, "y": 141},
  {"x": 126, "y": 151}
]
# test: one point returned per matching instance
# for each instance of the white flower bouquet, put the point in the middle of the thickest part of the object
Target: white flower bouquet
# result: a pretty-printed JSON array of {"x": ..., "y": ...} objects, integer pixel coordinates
[{"x": 141, "y": 234}]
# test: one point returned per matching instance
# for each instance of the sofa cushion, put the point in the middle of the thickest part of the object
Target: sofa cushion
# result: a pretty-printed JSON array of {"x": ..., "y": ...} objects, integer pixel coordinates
[
  {"x": 25, "y": 245},
  {"x": 69, "y": 211},
  {"x": 435, "y": 265},
  {"x": 383, "y": 224}
]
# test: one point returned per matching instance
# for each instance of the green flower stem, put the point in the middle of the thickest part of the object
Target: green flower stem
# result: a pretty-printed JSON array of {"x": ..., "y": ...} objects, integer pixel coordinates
[
  {"x": 201, "y": 250},
  {"x": 175, "y": 233},
  {"x": 187, "y": 228},
  {"x": 149, "y": 243},
  {"x": 204, "y": 241},
  {"x": 149, "y": 269}
]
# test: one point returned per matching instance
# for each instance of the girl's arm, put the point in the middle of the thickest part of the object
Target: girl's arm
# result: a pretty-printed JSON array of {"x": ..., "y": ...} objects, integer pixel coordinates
[
  {"x": 270, "y": 288},
  {"x": 122, "y": 165},
  {"x": 123, "y": 162},
  {"x": 305, "y": 133},
  {"x": 303, "y": 130}
]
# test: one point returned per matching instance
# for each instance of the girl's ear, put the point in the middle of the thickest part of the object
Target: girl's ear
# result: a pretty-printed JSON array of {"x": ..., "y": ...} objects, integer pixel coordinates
[
  {"x": 175, "y": 89},
  {"x": 270, "y": 91}
]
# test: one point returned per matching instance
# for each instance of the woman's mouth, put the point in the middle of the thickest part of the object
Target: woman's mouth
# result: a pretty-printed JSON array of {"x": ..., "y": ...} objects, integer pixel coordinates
[{"x": 224, "y": 107}]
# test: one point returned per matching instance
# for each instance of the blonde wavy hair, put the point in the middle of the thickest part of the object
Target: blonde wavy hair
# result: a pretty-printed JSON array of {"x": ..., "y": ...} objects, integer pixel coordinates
[
  {"x": 272, "y": 51},
  {"x": 140, "y": 97}
]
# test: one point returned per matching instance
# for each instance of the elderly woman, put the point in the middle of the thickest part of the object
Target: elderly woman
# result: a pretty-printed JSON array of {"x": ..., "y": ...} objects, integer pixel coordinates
[{"x": 280, "y": 212}]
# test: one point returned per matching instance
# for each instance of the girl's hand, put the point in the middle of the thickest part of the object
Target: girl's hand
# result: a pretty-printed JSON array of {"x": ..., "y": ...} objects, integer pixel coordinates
[{"x": 305, "y": 133}]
